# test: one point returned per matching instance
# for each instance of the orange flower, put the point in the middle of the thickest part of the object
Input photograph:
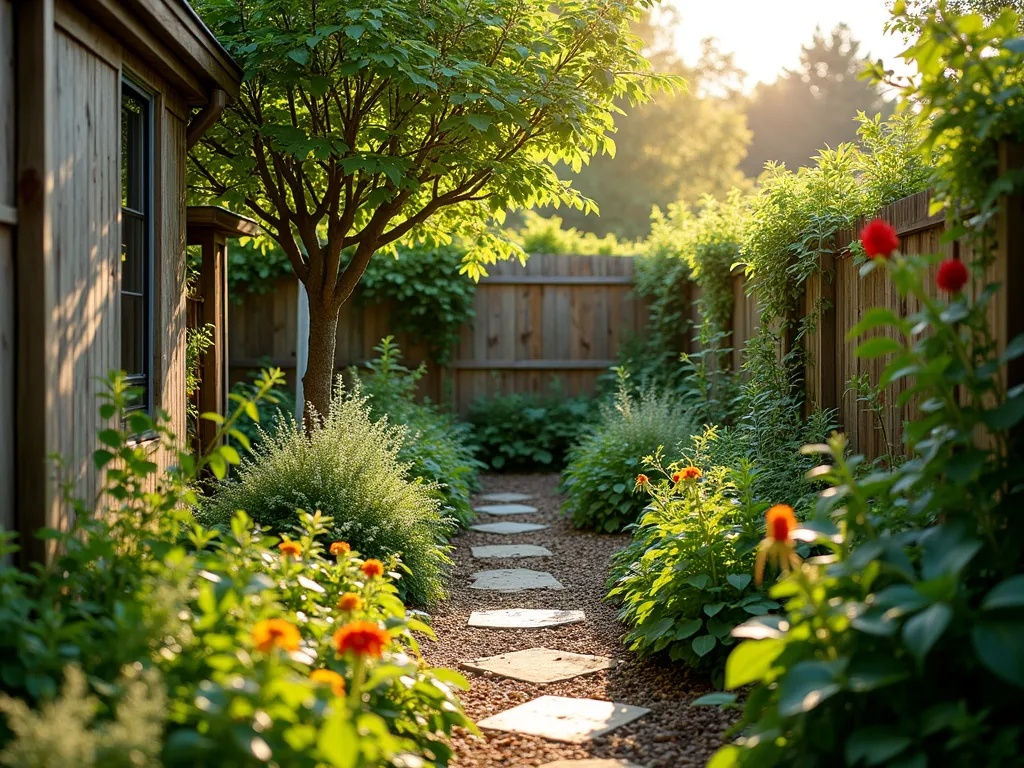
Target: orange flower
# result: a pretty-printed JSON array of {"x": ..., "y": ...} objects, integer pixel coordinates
[
  {"x": 677, "y": 476},
  {"x": 363, "y": 638},
  {"x": 350, "y": 601},
  {"x": 275, "y": 633},
  {"x": 290, "y": 548},
  {"x": 641, "y": 480},
  {"x": 780, "y": 522},
  {"x": 340, "y": 548},
  {"x": 692, "y": 473},
  {"x": 777, "y": 546},
  {"x": 331, "y": 678},
  {"x": 372, "y": 568}
]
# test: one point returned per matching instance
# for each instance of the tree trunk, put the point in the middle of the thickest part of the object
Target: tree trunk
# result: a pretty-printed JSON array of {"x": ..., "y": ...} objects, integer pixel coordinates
[{"x": 318, "y": 382}]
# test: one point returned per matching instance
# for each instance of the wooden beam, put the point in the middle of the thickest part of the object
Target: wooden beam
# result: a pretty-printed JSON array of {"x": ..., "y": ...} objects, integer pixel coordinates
[
  {"x": 36, "y": 500},
  {"x": 557, "y": 280},
  {"x": 533, "y": 365},
  {"x": 212, "y": 287},
  {"x": 227, "y": 223}
]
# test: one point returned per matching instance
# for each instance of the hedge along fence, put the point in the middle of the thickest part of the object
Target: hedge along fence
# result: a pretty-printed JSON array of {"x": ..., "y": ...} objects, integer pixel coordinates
[
  {"x": 558, "y": 318},
  {"x": 838, "y": 295}
]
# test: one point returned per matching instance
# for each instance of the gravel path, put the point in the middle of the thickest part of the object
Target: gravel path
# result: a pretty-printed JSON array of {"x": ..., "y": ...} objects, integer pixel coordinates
[{"x": 673, "y": 735}]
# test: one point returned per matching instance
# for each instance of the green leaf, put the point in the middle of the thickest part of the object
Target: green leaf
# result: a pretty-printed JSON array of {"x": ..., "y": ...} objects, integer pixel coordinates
[
  {"x": 700, "y": 580},
  {"x": 716, "y": 699},
  {"x": 355, "y": 31},
  {"x": 338, "y": 741},
  {"x": 876, "y": 670},
  {"x": 999, "y": 647},
  {"x": 875, "y": 317},
  {"x": 727, "y": 757},
  {"x": 688, "y": 629},
  {"x": 875, "y": 744},
  {"x": 110, "y": 437},
  {"x": 739, "y": 580},
  {"x": 713, "y": 608},
  {"x": 878, "y": 347},
  {"x": 1006, "y": 415},
  {"x": 480, "y": 122},
  {"x": 806, "y": 685},
  {"x": 750, "y": 660},
  {"x": 922, "y": 630},
  {"x": 299, "y": 56},
  {"x": 703, "y": 644},
  {"x": 1006, "y": 594}
]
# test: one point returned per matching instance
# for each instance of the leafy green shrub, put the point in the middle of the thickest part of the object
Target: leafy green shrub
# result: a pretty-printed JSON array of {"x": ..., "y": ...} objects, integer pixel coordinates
[
  {"x": 684, "y": 581},
  {"x": 147, "y": 641},
  {"x": 436, "y": 446},
  {"x": 521, "y": 432},
  {"x": 544, "y": 234},
  {"x": 274, "y": 410},
  {"x": 348, "y": 467},
  {"x": 599, "y": 479}
]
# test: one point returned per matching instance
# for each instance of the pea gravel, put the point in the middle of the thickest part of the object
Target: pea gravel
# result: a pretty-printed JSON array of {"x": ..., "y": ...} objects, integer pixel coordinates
[{"x": 673, "y": 735}]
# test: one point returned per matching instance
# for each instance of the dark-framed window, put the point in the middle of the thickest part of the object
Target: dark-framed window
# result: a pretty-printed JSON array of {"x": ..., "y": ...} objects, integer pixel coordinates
[{"x": 137, "y": 242}]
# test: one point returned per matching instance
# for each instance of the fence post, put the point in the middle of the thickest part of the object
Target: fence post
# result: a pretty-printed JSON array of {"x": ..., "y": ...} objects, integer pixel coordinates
[{"x": 1010, "y": 255}]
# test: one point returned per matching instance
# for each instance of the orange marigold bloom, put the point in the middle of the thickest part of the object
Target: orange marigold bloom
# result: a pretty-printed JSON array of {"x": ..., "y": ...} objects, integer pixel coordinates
[
  {"x": 340, "y": 548},
  {"x": 642, "y": 480},
  {"x": 350, "y": 601},
  {"x": 290, "y": 549},
  {"x": 692, "y": 473},
  {"x": 331, "y": 678},
  {"x": 275, "y": 633},
  {"x": 363, "y": 638},
  {"x": 372, "y": 568}
]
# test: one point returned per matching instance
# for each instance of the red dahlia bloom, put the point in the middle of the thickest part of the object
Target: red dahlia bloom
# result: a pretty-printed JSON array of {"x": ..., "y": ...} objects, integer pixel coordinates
[
  {"x": 879, "y": 239},
  {"x": 952, "y": 276}
]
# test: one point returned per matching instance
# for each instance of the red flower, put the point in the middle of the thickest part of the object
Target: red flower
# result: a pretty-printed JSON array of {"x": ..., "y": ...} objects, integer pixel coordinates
[
  {"x": 952, "y": 276},
  {"x": 677, "y": 476},
  {"x": 362, "y": 638},
  {"x": 780, "y": 522},
  {"x": 879, "y": 239},
  {"x": 372, "y": 568}
]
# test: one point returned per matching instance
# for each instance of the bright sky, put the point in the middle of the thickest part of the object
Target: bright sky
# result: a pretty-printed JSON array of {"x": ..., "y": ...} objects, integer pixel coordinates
[{"x": 766, "y": 35}]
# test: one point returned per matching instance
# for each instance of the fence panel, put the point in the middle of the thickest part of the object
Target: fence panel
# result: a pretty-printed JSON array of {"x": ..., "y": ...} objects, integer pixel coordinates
[{"x": 558, "y": 318}]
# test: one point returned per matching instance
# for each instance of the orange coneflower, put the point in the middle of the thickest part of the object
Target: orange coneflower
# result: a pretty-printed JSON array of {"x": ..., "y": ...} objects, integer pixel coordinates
[
  {"x": 641, "y": 480},
  {"x": 350, "y": 601},
  {"x": 290, "y": 549},
  {"x": 778, "y": 544},
  {"x": 692, "y": 473},
  {"x": 340, "y": 548},
  {"x": 362, "y": 638},
  {"x": 372, "y": 568},
  {"x": 331, "y": 678},
  {"x": 275, "y": 633}
]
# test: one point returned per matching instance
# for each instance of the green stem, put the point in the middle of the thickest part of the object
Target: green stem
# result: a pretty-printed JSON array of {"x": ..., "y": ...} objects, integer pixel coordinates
[{"x": 355, "y": 693}]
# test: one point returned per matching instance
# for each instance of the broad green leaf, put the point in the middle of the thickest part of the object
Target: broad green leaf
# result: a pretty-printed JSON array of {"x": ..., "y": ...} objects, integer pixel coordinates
[
  {"x": 999, "y": 647},
  {"x": 750, "y": 660},
  {"x": 876, "y": 670},
  {"x": 875, "y": 745},
  {"x": 716, "y": 699},
  {"x": 806, "y": 685},
  {"x": 1006, "y": 594},
  {"x": 878, "y": 347},
  {"x": 875, "y": 317},
  {"x": 704, "y": 644},
  {"x": 922, "y": 630},
  {"x": 739, "y": 580}
]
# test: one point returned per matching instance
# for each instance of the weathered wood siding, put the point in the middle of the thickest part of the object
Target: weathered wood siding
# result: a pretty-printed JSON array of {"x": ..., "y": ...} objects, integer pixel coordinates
[
  {"x": 7, "y": 216},
  {"x": 87, "y": 238},
  {"x": 558, "y": 318}
]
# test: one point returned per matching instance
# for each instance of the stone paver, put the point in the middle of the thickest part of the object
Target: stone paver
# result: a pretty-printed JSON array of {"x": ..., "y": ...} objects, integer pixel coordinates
[
  {"x": 563, "y": 719},
  {"x": 510, "y": 550},
  {"x": 507, "y": 528},
  {"x": 540, "y": 665},
  {"x": 506, "y": 509},
  {"x": 514, "y": 580},
  {"x": 596, "y": 763},
  {"x": 506, "y": 498},
  {"x": 524, "y": 618}
]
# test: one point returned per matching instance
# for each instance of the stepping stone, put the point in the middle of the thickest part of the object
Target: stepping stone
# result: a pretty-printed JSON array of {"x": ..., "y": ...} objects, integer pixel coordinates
[
  {"x": 514, "y": 580},
  {"x": 540, "y": 665},
  {"x": 506, "y": 498},
  {"x": 563, "y": 719},
  {"x": 507, "y": 528},
  {"x": 506, "y": 509},
  {"x": 524, "y": 618},
  {"x": 594, "y": 763},
  {"x": 510, "y": 550}
]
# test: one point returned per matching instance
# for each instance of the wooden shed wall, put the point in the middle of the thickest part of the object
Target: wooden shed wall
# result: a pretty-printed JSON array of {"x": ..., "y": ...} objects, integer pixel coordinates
[
  {"x": 7, "y": 206},
  {"x": 87, "y": 237}
]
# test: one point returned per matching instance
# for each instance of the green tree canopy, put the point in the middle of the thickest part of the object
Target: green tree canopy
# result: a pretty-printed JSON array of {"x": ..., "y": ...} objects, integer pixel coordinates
[{"x": 363, "y": 124}]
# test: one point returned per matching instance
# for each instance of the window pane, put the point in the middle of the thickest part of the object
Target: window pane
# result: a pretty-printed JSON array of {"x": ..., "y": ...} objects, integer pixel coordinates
[
  {"x": 133, "y": 253},
  {"x": 133, "y": 334},
  {"x": 133, "y": 151}
]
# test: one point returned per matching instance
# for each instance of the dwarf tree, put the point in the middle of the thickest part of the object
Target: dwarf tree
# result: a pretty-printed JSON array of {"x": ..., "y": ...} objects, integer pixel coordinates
[{"x": 360, "y": 124}]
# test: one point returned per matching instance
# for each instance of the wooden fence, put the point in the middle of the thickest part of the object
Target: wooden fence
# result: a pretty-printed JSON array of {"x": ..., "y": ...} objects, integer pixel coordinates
[{"x": 559, "y": 318}]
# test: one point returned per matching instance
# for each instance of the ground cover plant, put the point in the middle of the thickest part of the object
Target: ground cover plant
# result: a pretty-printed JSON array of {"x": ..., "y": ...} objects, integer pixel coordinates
[
  {"x": 349, "y": 468},
  {"x": 599, "y": 479},
  {"x": 903, "y": 645},
  {"x": 521, "y": 432},
  {"x": 436, "y": 447},
  {"x": 151, "y": 641},
  {"x": 684, "y": 581}
]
